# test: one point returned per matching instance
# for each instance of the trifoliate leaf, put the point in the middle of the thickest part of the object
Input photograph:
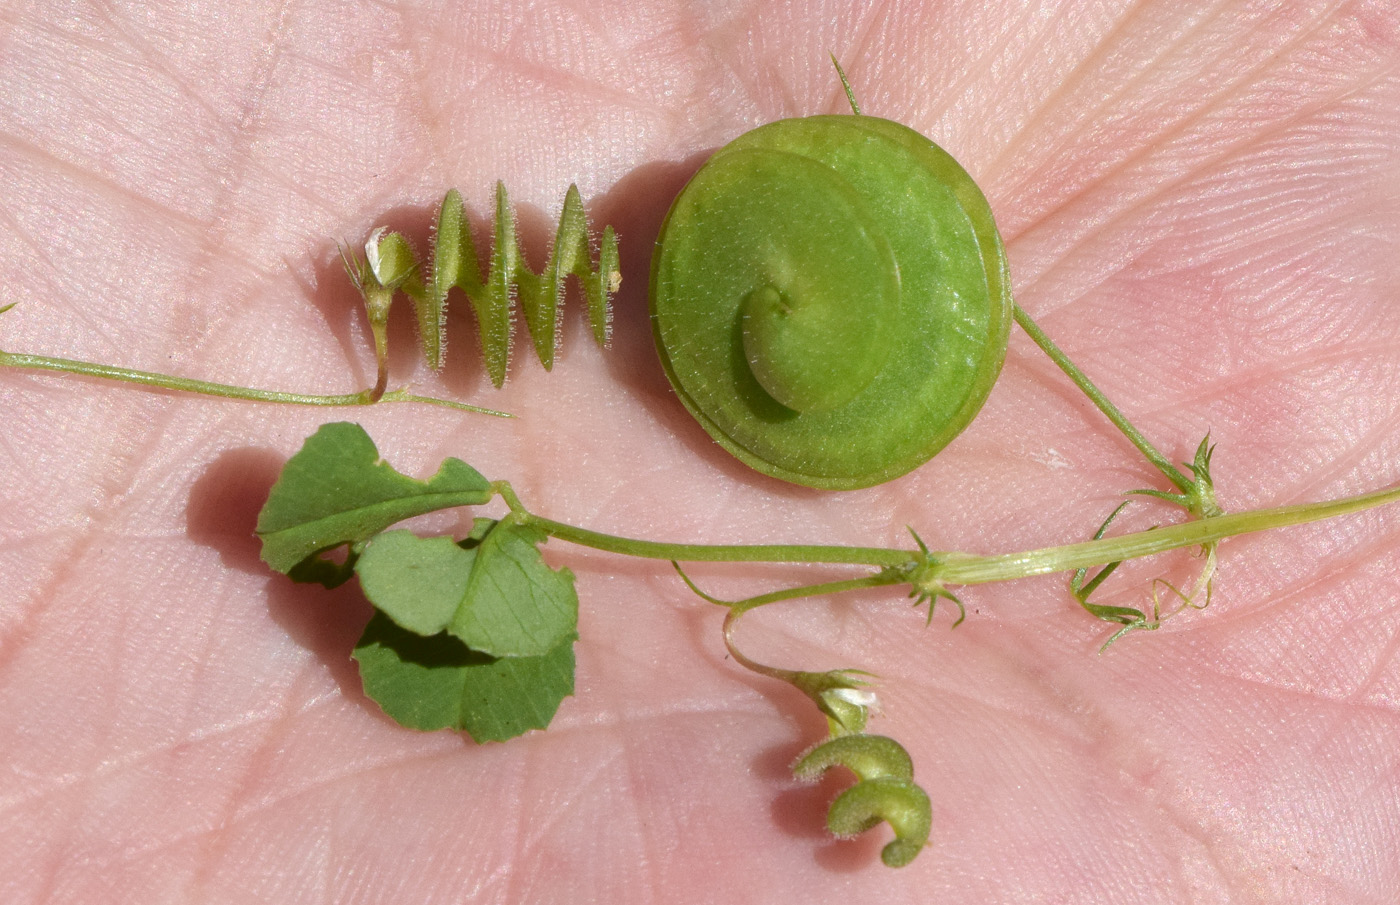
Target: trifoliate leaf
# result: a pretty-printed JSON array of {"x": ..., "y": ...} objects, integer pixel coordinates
[
  {"x": 440, "y": 683},
  {"x": 337, "y": 490},
  {"x": 496, "y": 595}
]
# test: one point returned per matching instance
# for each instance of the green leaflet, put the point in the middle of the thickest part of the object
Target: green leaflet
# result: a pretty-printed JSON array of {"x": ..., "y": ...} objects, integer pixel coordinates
[
  {"x": 337, "y": 490},
  {"x": 496, "y": 594},
  {"x": 476, "y": 635},
  {"x": 439, "y": 683}
]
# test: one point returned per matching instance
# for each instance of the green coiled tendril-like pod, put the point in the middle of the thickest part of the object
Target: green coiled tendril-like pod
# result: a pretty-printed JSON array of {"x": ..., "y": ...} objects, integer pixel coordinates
[
  {"x": 884, "y": 790},
  {"x": 389, "y": 265}
]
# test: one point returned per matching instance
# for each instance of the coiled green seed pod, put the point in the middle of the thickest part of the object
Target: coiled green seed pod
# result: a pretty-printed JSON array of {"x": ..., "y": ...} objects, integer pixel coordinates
[
  {"x": 884, "y": 791},
  {"x": 830, "y": 299}
]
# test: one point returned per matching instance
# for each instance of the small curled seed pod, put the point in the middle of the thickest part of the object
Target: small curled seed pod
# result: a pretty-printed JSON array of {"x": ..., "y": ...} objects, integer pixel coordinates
[
  {"x": 899, "y": 802},
  {"x": 884, "y": 791},
  {"x": 830, "y": 299},
  {"x": 867, "y": 756}
]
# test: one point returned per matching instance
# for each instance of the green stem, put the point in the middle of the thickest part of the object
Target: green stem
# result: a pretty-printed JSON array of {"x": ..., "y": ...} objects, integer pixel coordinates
[
  {"x": 940, "y": 569},
  {"x": 1096, "y": 396},
  {"x": 969, "y": 568},
  {"x": 227, "y": 391}
]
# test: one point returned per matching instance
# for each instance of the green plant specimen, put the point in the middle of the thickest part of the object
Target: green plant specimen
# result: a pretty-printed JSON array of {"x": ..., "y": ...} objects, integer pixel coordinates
[
  {"x": 477, "y": 634},
  {"x": 830, "y": 299},
  {"x": 861, "y": 317},
  {"x": 389, "y": 266}
]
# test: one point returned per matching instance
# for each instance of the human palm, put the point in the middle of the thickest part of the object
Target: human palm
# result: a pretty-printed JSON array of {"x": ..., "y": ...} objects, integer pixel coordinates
[{"x": 1201, "y": 207}]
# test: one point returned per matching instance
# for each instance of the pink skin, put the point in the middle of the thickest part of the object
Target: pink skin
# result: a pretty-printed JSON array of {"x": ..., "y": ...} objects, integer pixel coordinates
[{"x": 1203, "y": 209}]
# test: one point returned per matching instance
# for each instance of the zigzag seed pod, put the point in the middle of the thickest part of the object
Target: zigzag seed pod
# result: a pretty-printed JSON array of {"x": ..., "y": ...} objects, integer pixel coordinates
[
  {"x": 830, "y": 299},
  {"x": 390, "y": 265}
]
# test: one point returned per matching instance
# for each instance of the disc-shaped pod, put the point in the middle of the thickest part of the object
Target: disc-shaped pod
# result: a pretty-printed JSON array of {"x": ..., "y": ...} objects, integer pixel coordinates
[{"x": 830, "y": 299}]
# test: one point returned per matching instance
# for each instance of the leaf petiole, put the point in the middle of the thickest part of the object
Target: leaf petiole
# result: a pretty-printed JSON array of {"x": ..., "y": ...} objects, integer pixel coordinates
[{"x": 646, "y": 549}]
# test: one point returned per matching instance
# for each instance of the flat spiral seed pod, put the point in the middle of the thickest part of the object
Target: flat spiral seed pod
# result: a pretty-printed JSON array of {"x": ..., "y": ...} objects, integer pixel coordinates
[{"x": 830, "y": 299}]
